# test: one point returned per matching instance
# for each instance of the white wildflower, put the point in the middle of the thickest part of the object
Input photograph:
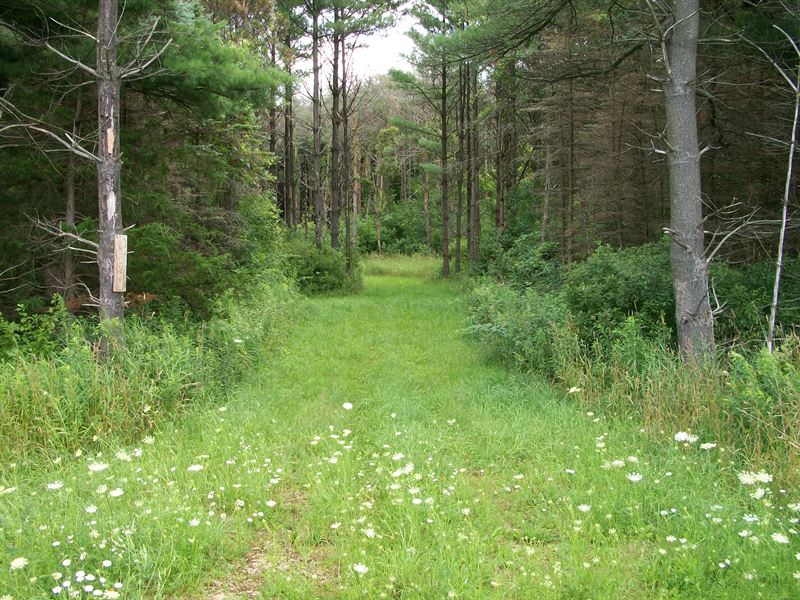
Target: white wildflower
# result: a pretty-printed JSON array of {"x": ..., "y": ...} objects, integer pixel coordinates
[{"x": 19, "y": 563}]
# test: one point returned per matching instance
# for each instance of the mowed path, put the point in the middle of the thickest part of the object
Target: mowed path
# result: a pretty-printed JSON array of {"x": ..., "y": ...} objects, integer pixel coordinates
[
  {"x": 380, "y": 454},
  {"x": 452, "y": 477}
]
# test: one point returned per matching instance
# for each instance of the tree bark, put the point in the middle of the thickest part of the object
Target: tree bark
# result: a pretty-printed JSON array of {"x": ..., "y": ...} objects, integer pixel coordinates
[
  {"x": 316, "y": 187},
  {"x": 474, "y": 172},
  {"x": 345, "y": 170},
  {"x": 467, "y": 157},
  {"x": 687, "y": 252},
  {"x": 289, "y": 195},
  {"x": 112, "y": 307},
  {"x": 426, "y": 211},
  {"x": 444, "y": 179},
  {"x": 462, "y": 92},
  {"x": 787, "y": 193},
  {"x": 336, "y": 148}
]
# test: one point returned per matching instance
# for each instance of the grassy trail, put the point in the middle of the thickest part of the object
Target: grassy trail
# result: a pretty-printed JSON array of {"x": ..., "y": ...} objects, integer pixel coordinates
[{"x": 379, "y": 454}]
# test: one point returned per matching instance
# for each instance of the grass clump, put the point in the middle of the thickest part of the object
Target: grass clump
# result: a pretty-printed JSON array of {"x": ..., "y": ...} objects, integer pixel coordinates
[{"x": 61, "y": 400}]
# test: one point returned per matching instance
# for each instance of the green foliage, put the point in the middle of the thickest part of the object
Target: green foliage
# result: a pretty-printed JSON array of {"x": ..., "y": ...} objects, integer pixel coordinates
[
  {"x": 518, "y": 325},
  {"x": 528, "y": 264},
  {"x": 317, "y": 270},
  {"x": 540, "y": 498},
  {"x": 762, "y": 396},
  {"x": 610, "y": 285},
  {"x": 40, "y": 334},
  {"x": 61, "y": 399}
]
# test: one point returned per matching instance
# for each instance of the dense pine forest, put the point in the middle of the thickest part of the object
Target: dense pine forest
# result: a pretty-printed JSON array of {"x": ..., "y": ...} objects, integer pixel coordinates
[{"x": 515, "y": 318}]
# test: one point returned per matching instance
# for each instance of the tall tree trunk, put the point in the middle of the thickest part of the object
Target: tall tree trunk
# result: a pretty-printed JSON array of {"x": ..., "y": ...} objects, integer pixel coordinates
[
  {"x": 474, "y": 172},
  {"x": 687, "y": 252},
  {"x": 426, "y": 211},
  {"x": 787, "y": 193},
  {"x": 112, "y": 307},
  {"x": 336, "y": 148},
  {"x": 316, "y": 183},
  {"x": 548, "y": 189},
  {"x": 289, "y": 195},
  {"x": 444, "y": 184},
  {"x": 467, "y": 158},
  {"x": 462, "y": 92},
  {"x": 68, "y": 283},
  {"x": 346, "y": 178},
  {"x": 273, "y": 114}
]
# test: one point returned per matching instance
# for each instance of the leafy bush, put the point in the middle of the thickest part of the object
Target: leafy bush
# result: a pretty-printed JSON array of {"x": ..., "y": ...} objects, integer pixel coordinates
[
  {"x": 40, "y": 334},
  {"x": 519, "y": 326},
  {"x": 319, "y": 270},
  {"x": 529, "y": 263},
  {"x": 611, "y": 285}
]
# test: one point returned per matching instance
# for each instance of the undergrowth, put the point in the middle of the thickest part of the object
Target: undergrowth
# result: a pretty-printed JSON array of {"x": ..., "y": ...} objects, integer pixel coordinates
[
  {"x": 603, "y": 332},
  {"x": 57, "y": 397}
]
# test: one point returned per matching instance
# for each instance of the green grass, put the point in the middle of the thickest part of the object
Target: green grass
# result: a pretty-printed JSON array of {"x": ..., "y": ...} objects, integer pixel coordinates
[{"x": 448, "y": 477}]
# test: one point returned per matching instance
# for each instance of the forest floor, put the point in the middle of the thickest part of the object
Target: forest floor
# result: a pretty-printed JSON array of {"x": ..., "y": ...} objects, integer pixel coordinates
[{"x": 380, "y": 453}]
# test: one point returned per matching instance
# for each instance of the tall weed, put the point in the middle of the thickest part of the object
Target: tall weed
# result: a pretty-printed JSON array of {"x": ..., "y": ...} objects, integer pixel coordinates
[{"x": 66, "y": 400}]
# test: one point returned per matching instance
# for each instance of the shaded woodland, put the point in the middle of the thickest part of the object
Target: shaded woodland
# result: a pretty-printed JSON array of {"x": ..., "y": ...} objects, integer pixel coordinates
[{"x": 570, "y": 124}]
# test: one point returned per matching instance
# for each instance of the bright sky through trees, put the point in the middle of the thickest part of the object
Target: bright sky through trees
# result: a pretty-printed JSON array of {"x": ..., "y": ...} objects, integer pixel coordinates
[{"x": 376, "y": 54}]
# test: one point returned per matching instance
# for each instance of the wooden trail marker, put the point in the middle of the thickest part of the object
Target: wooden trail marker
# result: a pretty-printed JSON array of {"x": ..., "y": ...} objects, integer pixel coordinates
[{"x": 120, "y": 263}]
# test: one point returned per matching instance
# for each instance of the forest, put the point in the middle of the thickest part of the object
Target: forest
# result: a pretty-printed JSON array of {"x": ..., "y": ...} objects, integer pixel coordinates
[{"x": 514, "y": 318}]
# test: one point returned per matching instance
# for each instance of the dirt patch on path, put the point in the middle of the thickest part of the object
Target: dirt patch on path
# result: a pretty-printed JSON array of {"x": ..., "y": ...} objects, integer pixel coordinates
[{"x": 274, "y": 558}]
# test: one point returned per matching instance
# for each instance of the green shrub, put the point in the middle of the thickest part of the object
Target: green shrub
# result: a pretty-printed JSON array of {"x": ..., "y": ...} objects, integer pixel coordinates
[
  {"x": 40, "y": 334},
  {"x": 319, "y": 270},
  {"x": 611, "y": 285},
  {"x": 529, "y": 263},
  {"x": 518, "y": 326},
  {"x": 748, "y": 403}
]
